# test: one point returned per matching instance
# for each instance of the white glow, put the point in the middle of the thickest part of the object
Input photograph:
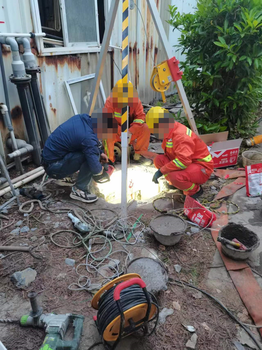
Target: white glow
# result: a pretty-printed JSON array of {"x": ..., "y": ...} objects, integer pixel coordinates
[{"x": 139, "y": 185}]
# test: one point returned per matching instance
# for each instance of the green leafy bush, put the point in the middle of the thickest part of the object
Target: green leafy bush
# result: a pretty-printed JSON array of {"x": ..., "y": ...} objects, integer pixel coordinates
[{"x": 222, "y": 42}]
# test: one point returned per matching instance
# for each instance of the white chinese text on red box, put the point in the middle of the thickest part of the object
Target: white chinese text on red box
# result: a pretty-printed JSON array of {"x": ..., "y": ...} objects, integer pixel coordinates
[{"x": 225, "y": 153}]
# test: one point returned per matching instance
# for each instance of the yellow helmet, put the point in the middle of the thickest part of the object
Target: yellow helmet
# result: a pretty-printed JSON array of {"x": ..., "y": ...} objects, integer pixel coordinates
[
  {"x": 123, "y": 92},
  {"x": 154, "y": 114}
]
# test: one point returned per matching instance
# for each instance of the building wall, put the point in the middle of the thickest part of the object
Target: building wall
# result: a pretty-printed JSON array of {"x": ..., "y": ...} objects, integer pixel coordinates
[{"x": 145, "y": 51}]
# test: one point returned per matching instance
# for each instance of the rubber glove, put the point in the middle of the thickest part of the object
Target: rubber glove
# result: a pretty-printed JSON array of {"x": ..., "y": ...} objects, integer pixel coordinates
[{"x": 156, "y": 176}]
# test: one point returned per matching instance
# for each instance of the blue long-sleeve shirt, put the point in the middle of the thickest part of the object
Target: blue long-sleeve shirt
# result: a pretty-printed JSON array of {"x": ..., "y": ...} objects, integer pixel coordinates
[{"x": 74, "y": 135}]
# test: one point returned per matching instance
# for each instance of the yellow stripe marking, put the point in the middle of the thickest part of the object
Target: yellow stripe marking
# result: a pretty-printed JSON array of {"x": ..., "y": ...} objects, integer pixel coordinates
[
  {"x": 125, "y": 79},
  {"x": 125, "y": 43},
  {"x": 125, "y": 24},
  {"x": 125, "y": 62},
  {"x": 125, "y": 6}
]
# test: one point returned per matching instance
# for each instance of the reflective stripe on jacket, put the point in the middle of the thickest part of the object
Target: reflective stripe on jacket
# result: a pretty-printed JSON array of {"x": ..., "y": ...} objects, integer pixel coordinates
[
  {"x": 183, "y": 147},
  {"x": 136, "y": 113}
]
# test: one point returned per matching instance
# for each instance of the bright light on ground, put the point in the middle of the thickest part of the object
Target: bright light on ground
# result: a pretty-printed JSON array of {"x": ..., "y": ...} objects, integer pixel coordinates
[{"x": 139, "y": 184}]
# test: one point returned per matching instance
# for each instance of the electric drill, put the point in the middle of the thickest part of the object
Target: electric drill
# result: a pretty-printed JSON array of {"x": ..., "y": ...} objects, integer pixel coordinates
[{"x": 55, "y": 326}]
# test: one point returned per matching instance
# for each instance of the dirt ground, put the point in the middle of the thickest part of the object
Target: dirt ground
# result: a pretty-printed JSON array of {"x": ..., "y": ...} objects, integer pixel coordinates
[{"x": 195, "y": 253}]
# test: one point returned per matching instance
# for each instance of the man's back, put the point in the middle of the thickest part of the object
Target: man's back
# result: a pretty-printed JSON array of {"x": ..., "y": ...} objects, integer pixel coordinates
[{"x": 71, "y": 136}]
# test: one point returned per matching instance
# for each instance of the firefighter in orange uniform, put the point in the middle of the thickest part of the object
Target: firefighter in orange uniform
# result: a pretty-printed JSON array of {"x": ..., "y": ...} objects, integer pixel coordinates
[
  {"x": 186, "y": 162},
  {"x": 139, "y": 134}
]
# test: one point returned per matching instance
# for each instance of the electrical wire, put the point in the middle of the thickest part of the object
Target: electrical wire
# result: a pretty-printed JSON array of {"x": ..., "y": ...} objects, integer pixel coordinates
[
  {"x": 103, "y": 232},
  {"x": 244, "y": 326},
  {"x": 144, "y": 28},
  {"x": 116, "y": 66}
]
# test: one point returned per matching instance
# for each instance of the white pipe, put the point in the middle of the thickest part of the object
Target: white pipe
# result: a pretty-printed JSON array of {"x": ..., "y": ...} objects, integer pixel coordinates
[
  {"x": 21, "y": 177},
  {"x": 22, "y": 182},
  {"x": 3, "y": 180},
  {"x": 21, "y": 151},
  {"x": 25, "y": 35}
]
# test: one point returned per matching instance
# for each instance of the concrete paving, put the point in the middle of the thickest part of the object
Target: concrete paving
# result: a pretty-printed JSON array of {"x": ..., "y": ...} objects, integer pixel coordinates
[{"x": 250, "y": 216}]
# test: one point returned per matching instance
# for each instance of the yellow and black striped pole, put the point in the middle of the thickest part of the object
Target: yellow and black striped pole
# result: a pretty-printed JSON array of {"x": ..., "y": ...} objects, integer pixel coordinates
[
  {"x": 125, "y": 49},
  {"x": 124, "y": 119}
]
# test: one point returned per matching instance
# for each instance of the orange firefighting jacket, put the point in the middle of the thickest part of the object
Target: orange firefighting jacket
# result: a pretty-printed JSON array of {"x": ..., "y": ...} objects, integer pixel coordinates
[
  {"x": 136, "y": 113},
  {"x": 183, "y": 147}
]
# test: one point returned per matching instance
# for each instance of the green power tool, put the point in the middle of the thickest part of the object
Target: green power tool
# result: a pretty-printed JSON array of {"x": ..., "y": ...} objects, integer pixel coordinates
[{"x": 55, "y": 326}]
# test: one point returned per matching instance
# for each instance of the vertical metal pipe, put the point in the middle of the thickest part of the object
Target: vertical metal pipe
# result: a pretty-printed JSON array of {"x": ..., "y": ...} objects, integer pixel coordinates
[
  {"x": 42, "y": 121},
  {"x": 23, "y": 88},
  {"x": 6, "y": 175},
  {"x": 4, "y": 79},
  {"x": 32, "y": 69},
  {"x": 124, "y": 119},
  {"x": 18, "y": 163}
]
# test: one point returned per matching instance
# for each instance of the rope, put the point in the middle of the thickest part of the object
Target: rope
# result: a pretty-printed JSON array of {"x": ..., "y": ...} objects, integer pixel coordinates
[{"x": 32, "y": 205}]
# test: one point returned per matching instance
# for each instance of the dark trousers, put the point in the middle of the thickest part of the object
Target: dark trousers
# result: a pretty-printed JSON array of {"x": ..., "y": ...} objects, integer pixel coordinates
[{"x": 70, "y": 164}]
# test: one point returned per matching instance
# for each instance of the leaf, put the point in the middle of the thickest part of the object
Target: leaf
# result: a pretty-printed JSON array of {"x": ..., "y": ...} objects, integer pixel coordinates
[
  {"x": 238, "y": 27},
  {"x": 249, "y": 61},
  {"x": 225, "y": 25},
  {"x": 242, "y": 58},
  {"x": 217, "y": 43},
  {"x": 256, "y": 63},
  {"x": 222, "y": 40},
  {"x": 223, "y": 121},
  {"x": 216, "y": 102}
]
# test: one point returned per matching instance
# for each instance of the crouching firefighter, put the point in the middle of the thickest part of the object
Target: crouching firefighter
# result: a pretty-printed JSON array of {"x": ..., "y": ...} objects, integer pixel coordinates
[
  {"x": 74, "y": 146},
  {"x": 186, "y": 162},
  {"x": 122, "y": 95}
]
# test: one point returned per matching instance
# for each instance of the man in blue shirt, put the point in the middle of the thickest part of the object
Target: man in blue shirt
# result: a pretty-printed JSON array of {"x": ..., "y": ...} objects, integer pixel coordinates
[{"x": 74, "y": 146}]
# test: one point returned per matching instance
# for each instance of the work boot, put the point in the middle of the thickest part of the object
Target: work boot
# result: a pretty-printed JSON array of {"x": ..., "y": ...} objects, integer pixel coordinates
[
  {"x": 139, "y": 159},
  {"x": 198, "y": 194},
  {"x": 83, "y": 196}
]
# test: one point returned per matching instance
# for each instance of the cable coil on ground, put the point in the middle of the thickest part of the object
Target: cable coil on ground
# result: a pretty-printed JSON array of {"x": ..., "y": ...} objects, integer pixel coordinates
[{"x": 124, "y": 306}]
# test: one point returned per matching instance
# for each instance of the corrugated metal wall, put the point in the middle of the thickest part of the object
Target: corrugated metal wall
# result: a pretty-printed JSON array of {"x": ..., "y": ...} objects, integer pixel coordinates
[
  {"x": 145, "y": 48},
  {"x": 58, "y": 69},
  {"x": 145, "y": 51}
]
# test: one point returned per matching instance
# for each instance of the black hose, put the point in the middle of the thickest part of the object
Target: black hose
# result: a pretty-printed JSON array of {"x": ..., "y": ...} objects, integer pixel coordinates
[{"x": 182, "y": 284}]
